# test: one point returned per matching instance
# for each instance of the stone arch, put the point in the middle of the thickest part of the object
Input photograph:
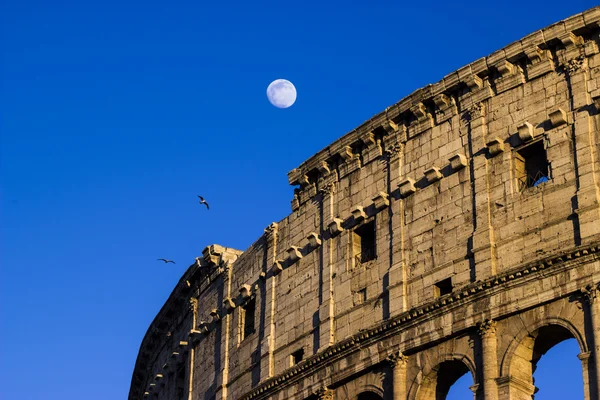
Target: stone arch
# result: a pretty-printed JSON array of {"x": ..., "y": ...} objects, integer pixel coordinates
[
  {"x": 434, "y": 383},
  {"x": 526, "y": 332},
  {"x": 369, "y": 384}
]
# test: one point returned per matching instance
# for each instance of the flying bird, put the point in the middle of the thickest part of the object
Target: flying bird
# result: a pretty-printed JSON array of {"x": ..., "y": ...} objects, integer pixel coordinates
[
  {"x": 165, "y": 260},
  {"x": 202, "y": 201}
]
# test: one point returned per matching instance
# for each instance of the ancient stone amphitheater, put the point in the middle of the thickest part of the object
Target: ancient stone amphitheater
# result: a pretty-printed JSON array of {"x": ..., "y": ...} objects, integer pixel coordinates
[{"x": 456, "y": 232}]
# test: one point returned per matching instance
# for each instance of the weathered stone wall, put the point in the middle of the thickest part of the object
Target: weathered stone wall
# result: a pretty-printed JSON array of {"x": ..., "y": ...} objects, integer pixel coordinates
[{"x": 474, "y": 270}]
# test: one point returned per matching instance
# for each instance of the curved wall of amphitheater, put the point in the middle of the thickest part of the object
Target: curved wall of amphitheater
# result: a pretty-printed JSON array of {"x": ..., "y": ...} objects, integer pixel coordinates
[{"x": 457, "y": 231}]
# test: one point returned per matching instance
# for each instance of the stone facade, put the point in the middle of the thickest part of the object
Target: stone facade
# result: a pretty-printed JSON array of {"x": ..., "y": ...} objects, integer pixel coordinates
[{"x": 456, "y": 232}]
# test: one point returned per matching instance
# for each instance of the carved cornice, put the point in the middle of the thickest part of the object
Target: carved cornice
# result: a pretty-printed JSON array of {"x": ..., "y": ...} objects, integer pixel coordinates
[{"x": 414, "y": 316}]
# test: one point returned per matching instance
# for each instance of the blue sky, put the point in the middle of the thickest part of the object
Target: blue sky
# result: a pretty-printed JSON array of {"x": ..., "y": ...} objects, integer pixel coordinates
[{"x": 115, "y": 115}]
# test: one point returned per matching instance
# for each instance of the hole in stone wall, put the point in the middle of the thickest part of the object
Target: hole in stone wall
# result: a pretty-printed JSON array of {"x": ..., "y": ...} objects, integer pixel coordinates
[
  {"x": 248, "y": 312},
  {"x": 363, "y": 243},
  {"x": 296, "y": 357},
  {"x": 442, "y": 287},
  {"x": 531, "y": 165}
]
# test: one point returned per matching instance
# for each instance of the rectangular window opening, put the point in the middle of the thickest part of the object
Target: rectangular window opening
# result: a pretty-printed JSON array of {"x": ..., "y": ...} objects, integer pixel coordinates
[
  {"x": 363, "y": 243},
  {"x": 248, "y": 316},
  {"x": 442, "y": 287},
  {"x": 296, "y": 357},
  {"x": 531, "y": 165}
]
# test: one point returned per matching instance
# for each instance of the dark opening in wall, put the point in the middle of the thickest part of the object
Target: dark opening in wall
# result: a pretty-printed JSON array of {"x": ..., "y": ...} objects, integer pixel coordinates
[
  {"x": 248, "y": 316},
  {"x": 363, "y": 243},
  {"x": 442, "y": 287},
  {"x": 531, "y": 165},
  {"x": 296, "y": 357},
  {"x": 180, "y": 384}
]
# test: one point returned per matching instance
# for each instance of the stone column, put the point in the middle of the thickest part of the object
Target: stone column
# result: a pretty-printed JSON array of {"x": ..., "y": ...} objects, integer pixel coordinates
[
  {"x": 398, "y": 363},
  {"x": 268, "y": 340},
  {"x": 487, "y": 331},
  {"x": 326, "y": 308},
  {"x": 585, "y": 366},
  {"x": 589, "y": 295}
]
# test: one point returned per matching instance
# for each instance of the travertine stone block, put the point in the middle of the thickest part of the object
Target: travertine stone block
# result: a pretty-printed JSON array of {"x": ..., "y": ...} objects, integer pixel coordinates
[
  {"x": 495, "y": 146},
  {"x": 433, "y": 174},
  {"x": 458, "y": 161},
  {"x": 558, "y": 117},
  {"x": 335, "y": 227},
  {"x": 525, "y": 132},
  {"x": 314, "y": 239},
  {"x": 358, "y": 214},
  {"x": 277, "y": 267},
  {"x": 407, "y": 187},
  {"x": 294, "y": 253},
  {"x": 381, "y": 201},
  {"x": 245, "y": 291}
]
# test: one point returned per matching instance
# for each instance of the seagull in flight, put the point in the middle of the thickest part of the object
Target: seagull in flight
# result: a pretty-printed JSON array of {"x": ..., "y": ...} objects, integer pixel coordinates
[
  {"x": 165, "y": 260},
  {"x": 202, "y": 201}
]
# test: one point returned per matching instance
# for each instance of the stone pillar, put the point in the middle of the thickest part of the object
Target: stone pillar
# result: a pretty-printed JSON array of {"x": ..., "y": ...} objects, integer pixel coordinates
[
  {"x": 483, "y": 244},
  {"x": 398, "y": 363},
  {"x": 589, "y": 295},
  {"x": 487, "y": 331},
  {"x": 268, "y": 341},
  {"x": 326, "y": 308},
  {"x": 585, "y": 366}
]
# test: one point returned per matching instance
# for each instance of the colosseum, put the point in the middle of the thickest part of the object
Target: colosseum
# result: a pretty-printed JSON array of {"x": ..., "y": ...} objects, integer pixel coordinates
[{"x": 458, "y": 231}]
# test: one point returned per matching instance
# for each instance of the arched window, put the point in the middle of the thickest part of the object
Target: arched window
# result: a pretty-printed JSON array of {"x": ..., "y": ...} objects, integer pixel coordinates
[{"x": 445, "y": 380}]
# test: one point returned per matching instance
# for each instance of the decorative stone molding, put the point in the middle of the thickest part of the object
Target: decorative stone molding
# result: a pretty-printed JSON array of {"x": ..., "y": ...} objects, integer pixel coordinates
[
  {"x": 335, "y": 227},
  {"x": 495, "y": 146},
  {"x": 327, "y": 189},
  {"x": 393, "y": 150},
  {"x": 381, "y": 201},
  {"x": 589, "y": 293},
  {"x": 294, "y": 253},
  {"x": 574, "y": 65},
  {"x": 277, "y": 267},
  {"x": 487, "y": 328},
  {"x": 229, "y": 304},
  {"x": 541, "y": 61},
  {"x": 245, "y": 291},
  {"x": 525, "y": 132},
  {"x": 214, "y": 313},
  {"x": 325, "y": 393},
  {"x": 314, "y": 240},
  {"x": 396, "y": 358},
  {"x": 510, "y": 76},
  {"x": 390, "y": 126},
  {"x": 433, "y": 174},
  {"x": 407, "y": 187},
  {"x": 458, "y": 161},
  {"x": 445, "y": 107},
  {"x": 424, "y": 118},
  {"x": 271, "y": 230},
  {"x": 323, "y": 168},
  {"x": 358, "y": 214},
  {"x": 558, "y": 117}
]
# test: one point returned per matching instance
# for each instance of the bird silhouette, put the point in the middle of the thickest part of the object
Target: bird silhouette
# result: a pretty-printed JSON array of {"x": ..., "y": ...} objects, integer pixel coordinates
[
  {"x": 165, "y": 260},
  {"x": 202, "y": 201}
]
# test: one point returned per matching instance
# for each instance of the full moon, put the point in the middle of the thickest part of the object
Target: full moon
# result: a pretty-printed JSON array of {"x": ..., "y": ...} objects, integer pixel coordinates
[{"x": 281, "y": 93}]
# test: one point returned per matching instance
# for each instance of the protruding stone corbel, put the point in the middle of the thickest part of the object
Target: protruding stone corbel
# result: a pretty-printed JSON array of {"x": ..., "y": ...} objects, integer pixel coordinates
[
  {"x": 277, "y": 267},
  {"x": 541, "y": 61},
  {"x": 433, "y": 174},
  {"x": 245, "y": 291},
  {"x": 458, "y": 161},
  {"x": 419, "y": 110},
  {"x": 473, "y": 82},
  {"x": 195, "y": 335},
  {"x": 369, "y": 139},
  {"x": 558, "y": 117},
  {"x": 214, "y": 313},
  {"x": 297, "y": 177},
  {"x": 335, "y": 227},
  {"x": 314, "y": 240},
  {"x": 271, "y": 229},
  {"x": 570, "y": 39},
  {"x": 505, "y": 68},
  {"x": 495, "y": 146},
  {"x": 442, "y": 100},
  {"x": 212, "y": 254},
  {"x": 294, "y": 253},
  {"x": 525, "y": 132},
  {"x": 229, "y": 304},
  {"x": 390, "y": 126},
  {"x": 158, "y": 377},
  {"x": 381, "y": 201},
  {"x": 358, "y": 214},
  {"x": 323, "y": 168},
  {"x": 407, "y": 187},
  {"x": 346, "y": 153}
]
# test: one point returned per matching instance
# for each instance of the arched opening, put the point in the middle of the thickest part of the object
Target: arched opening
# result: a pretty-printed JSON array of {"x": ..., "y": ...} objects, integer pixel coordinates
[
  {"x": 369, "y": 396},
  {"x": 448, "y": 378},
  {"x": 545, "y": 363}
]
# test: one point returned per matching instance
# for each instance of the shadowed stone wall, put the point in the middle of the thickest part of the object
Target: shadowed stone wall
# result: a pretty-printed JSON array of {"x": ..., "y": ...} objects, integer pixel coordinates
[{"x": 456, "y": 232}]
